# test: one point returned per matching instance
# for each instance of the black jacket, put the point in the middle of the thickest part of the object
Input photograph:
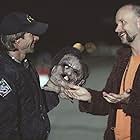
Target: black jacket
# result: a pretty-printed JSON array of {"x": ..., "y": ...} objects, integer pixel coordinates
[
  {"x": 99, "y": 106},
  {"x": 23, "y": 104}
]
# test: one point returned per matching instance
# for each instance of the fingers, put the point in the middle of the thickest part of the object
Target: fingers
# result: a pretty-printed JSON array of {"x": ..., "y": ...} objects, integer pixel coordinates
[
  {"x": 67, "y": 95},
  {"x": 63, "y": 95},
  {"x": 128, "y": 90},
  {"x": 46, "y": 88},
  {"x": 125, "y": 95},
  {"x": 70, "y": 94},
  {"x": 107, "y": 99},
  {"x": 115, "y": 98},
  {"x": 73, "y": 87},
  {"x": 74, "y": 95},
  {"x": 111, "y": 97},
  {"x": 81, "y": 94},
  {"x": 110, "y": 100}
]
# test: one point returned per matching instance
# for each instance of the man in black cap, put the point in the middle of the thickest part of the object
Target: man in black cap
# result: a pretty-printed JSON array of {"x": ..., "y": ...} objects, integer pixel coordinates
[{"x": 23, "y": 104}]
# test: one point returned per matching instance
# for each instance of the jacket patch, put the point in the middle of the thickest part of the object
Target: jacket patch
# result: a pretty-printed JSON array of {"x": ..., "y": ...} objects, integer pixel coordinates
[{"x": 5, "y": 89}]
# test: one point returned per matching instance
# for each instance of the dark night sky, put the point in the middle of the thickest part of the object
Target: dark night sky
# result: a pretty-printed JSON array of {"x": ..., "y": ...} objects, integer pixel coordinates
[{"x": 71, "y": 21}]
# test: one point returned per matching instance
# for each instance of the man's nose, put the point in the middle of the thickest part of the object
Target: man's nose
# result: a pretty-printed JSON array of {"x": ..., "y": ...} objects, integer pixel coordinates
[
  {"x": 36, "y": 38},
  {"x": 118, "y": 29}
]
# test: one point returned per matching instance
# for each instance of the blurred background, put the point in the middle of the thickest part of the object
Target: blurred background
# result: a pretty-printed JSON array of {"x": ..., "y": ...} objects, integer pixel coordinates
[{"x": 71, "y": 21}]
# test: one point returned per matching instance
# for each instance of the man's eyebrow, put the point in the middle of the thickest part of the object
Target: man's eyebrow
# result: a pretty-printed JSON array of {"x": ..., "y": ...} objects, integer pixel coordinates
[{"x": 123, "y": 21}]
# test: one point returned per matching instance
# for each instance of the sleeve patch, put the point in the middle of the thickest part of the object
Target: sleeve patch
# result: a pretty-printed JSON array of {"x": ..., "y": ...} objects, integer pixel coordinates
[{"x": 5, "y": 89}]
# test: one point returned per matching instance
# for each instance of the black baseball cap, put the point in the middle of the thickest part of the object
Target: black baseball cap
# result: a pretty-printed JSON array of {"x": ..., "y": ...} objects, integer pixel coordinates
[{"x": 17, "y": 22}]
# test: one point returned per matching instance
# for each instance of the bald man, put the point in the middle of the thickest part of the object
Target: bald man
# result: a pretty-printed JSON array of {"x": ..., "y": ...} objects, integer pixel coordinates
[{"x": 120, "y": 99}]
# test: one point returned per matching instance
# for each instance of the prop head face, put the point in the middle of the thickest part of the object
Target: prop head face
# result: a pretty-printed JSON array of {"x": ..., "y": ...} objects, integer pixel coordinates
[{"x": 69, "y": 70}]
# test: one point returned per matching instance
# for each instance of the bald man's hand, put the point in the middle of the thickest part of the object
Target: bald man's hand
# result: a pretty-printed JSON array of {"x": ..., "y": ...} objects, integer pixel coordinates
[
  {"x": 78, "y": 93},
  {"x": 115, "y": 98}
]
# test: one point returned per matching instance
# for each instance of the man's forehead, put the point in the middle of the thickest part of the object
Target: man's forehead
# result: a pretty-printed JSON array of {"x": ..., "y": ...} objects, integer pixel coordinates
[{"x": 124, "y": 12}]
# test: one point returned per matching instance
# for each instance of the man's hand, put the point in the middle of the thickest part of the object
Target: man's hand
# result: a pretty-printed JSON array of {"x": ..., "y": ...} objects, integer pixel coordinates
[
  {"x": 51, "y": 87},
  {"x": 115, "y": 98},
  {"x": 78, "y": 93},
  {"x": 55, "y": 83},
  {"x": 57, "y": 89}
]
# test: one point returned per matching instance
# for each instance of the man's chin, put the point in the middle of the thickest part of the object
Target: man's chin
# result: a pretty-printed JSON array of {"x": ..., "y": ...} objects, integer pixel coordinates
[
  {"x": 31, "y": 50},
  {"x": 124, "y": 41}
]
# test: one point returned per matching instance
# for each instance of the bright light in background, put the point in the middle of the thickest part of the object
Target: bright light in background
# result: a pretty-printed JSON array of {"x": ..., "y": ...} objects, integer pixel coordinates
[
  {"x": 90, "y": 47},
  {"x": 43, "y": 79},
  {"x": 43, "y": 75}
]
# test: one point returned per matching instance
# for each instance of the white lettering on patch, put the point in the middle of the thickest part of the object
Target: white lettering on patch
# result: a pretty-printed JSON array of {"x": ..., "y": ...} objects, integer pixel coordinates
[{"x": 4, "y": 88}]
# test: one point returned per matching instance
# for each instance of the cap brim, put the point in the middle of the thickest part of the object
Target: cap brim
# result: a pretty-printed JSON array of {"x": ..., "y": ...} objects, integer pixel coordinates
[{"x": 37, "y": 28}]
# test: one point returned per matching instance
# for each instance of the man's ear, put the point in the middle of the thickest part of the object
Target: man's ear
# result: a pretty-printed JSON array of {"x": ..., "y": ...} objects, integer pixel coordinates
[{"x": 16, "y": 43}]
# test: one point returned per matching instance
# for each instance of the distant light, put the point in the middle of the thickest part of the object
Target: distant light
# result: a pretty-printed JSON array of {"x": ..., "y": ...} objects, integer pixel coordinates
[
  {"x": 90, "y": 47},
  {"x": 43, "y": 79},
  {"x": 43, "y": 75},
  {"x": 79, "y": 46}
]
